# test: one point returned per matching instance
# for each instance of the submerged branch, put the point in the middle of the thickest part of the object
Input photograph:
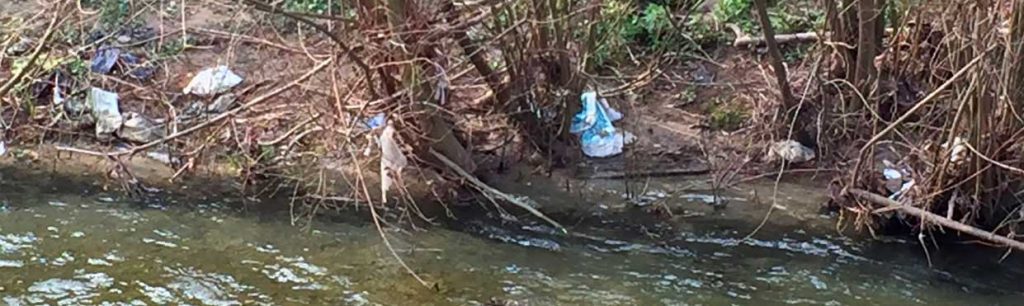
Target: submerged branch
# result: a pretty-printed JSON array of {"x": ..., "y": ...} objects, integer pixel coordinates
[
  {"x": 495, "y": 192},
  {"x": 927, "y": 216}
]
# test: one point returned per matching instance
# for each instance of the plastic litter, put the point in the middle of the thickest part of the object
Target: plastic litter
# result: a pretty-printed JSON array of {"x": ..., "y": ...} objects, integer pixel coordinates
[
  {"x": 163, "y": 157},
  {"x": 958, "y": 152},
  {"x": 391, "y": 159},
  {"x": 213, "y": 81},
  {"x": 897, "y": 179},
  {"x": 135, "y": 68},
  {"x": 57, "y": 98},
  {"x": 893, "y": 179},
  {"x": 903, "y": 190},
  {"x": 104, "y": 60},
  {"x": 593, "y": 123},
  {"x": 19, "y": 47},
  {"x": 3, "y": 148},
  {"x": 892, "y": 174},
  {"x": 375, "y": 122},
  {"x": 791, "y": 151},
  {"x": 222, "y": 103},
  {"x": 105, "y": 110},
  {"x": 138, "y": 128}
]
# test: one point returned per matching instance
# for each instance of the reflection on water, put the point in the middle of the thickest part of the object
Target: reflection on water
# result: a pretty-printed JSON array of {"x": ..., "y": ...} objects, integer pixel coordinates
[{"x": 96, "y": 250}]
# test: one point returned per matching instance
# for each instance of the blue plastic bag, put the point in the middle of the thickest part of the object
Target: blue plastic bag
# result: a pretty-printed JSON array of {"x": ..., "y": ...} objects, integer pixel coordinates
[
  {"x": 594, "y": 125},
  {"x": 104, "y": 60}
]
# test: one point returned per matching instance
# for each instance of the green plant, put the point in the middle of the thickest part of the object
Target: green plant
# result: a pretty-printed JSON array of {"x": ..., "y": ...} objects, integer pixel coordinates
[
  {"x": 623, "y": 25},
  {"x": 657, "y": 25},
  {"x": 314, "y": 6},
  {"x": 704, "y": 34},
  {"x": 45, "y": 62},
  {"x": 78, "y": 67},
  {"x": 726, "y": 117},
  {"x": 114, "y": 12},
  {"x": 785, "y": 16},
  {"x": 172, "y": 48},
  {"x": 795, "y": 53},
  {"x": 685, "y": 97},
  {"x": 612, "y": 31},
  {"x": 736, "y": 12}
]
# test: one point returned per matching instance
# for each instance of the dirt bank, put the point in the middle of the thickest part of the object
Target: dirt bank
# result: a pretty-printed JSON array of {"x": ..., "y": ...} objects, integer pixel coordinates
[{"x": 673, "y": 202}]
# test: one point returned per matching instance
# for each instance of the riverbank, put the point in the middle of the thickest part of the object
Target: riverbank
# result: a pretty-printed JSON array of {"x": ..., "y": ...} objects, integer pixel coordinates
[
  {"x": 289, "y": 129},
  {"x": 419, "y": 115},
  {"x": 671, "y": 200}
]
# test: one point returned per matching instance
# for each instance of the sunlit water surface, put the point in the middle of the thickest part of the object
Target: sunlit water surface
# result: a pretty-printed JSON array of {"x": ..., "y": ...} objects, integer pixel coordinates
[{"x": 100, "y": 250}]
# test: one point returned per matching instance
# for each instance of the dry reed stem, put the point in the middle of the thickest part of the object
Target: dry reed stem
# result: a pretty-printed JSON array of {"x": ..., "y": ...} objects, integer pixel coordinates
[
  {"x": 893, "y": 125},
  {"x": 54, "y": 21}
]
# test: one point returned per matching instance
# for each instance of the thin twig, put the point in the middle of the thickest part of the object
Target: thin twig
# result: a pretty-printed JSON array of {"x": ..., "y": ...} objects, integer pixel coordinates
[
  {"x": 892, "y": 126},
  {"x": 35, "y": 53}
]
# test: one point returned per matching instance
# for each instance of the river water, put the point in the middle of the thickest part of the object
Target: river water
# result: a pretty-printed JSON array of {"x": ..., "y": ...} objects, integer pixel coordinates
[{"x": 59, "y": 246}]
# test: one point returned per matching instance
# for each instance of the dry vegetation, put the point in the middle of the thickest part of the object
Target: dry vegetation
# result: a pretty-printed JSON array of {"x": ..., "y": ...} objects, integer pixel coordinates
[
  {"x": 938, "y": 101},
  {"x": 471, "y": 87}
]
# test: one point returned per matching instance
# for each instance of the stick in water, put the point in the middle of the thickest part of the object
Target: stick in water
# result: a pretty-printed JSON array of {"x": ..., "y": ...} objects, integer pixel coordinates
[
  {"x": 927, "y": 216},
  {"x": 517, "y": 202}
]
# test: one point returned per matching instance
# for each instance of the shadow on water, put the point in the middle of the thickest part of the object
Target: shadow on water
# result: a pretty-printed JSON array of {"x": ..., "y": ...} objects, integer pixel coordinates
[{"x": 78, "y": 246}]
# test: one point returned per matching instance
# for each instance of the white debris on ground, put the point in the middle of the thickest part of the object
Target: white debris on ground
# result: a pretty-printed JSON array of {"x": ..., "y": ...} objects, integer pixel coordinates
[
  {"x": 391, "y": 160},
  {"x": 222, "y": 103},
  {"x": 138, "y": 128},
  {"x": 212, "y": 81},
  {"x": 897, "y": 179},
  {"x": 958, "y": 152},
  {"x": 791, "y": 151},
  {"x": 106, "y": 111}
]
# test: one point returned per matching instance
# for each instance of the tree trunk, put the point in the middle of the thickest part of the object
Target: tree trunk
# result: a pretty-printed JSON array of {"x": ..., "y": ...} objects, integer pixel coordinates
[
  {"x": 776, "y": 56},
  {"x": 869, "y": 42},
  {"x": 404, "y": 18},
  {"x": 842, "y": 20}
]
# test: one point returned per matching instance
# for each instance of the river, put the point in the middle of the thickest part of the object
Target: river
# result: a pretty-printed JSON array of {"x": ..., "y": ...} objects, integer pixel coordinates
[{"x": 62, "y": 246}]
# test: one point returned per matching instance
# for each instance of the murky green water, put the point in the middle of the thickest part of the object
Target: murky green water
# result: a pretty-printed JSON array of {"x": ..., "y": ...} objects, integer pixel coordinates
[{"x": 59, "y": 249}]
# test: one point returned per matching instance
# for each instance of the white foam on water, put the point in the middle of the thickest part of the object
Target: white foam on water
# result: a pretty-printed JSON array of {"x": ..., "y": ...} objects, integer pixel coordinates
[
  {"x": 98, "y": 262},
  {"x": 6, "y": 263},
  {"x": 11, "y": 243},
  {"x": 77, "y": 291},
  {"x": 157, "y": 295}
]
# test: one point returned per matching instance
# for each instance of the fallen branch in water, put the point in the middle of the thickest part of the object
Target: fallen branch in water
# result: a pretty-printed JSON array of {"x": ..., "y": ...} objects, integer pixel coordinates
[
  {"x": 495, "y": 192},
  {"x": 645, "y": 173},
  {"x": 927, "y": 216}
]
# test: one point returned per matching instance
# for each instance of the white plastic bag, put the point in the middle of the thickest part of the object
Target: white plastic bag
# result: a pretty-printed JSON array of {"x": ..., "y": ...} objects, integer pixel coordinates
[
  {"x": 105, "y": 110},
  {"x": 791, "y": 151},
  {"x": 212, "y": 81},
  {"x": 391, "y": 159}
]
